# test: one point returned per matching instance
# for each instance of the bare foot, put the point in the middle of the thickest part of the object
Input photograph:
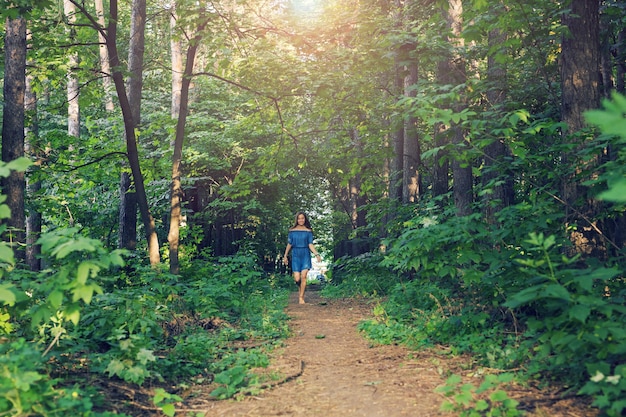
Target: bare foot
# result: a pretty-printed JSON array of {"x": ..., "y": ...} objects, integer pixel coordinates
[{"x": 302, "y": 301}]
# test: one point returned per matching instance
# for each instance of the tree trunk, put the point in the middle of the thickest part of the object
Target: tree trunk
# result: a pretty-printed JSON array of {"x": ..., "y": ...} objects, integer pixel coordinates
[
  {"x": 73, "y": 90},
  {"x": 128, "y": 203},
  {"x": 441, "y": 161},
  {"x": 621, "y": 62},
  {"x": 33, "y": 216},
  {"x": 493, "y": 178},
  {"x": 411, "y": 163},
  {"x": 357, "y": 199},
  {"x": 580, "y": 92},
  {"x": 397, "y": 124},
  {"x": 127, "y": 238},
  {"x": 176, "y": 197},
  {"x": 177, "y": 63},
  {"x": 461, "y": 167},
  {"x": 135, "y": 58},
  {"x": 397, "y": 137},
  {"x": 131, "y": 142},
  {"x": 104, "y": 61},
  {"x": 13, "y": 130}
]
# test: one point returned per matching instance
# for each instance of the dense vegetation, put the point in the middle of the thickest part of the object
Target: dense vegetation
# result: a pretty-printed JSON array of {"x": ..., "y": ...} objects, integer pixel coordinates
[{"x": 462, "y": 161}]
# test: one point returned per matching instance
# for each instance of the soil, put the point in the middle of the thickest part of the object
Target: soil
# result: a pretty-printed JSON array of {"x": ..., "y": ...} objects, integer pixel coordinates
[{"x": 328, "y": 369}]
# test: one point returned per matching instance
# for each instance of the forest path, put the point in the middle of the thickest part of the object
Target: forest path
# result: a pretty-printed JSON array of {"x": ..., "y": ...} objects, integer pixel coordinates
[{"x": 330, "y": 370}]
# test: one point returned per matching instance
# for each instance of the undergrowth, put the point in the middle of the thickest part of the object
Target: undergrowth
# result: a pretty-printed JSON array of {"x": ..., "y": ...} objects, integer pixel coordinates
[{"x": 88, "y": 314}]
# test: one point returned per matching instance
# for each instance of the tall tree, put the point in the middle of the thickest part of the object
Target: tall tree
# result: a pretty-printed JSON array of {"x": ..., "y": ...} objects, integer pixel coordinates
[
  {"x": 33, "y": 215},
  {"x": 131, "y": 140},
  {"x": 177, "y": 62},
  {"x": 397, "y": 123},
  {"x": 411, "y": 165},
  {"x": 500, "y": 185},
  {"x": 13, "y": 128},
  {"x": 580, "y": 68},
  {"x": 128, "y": 196},
  {"x": 176, "y": 193},
  {"x": 105, "y": 68},
  {"x": 73, "y": 90},
  {"x": 461, "y": 167}
]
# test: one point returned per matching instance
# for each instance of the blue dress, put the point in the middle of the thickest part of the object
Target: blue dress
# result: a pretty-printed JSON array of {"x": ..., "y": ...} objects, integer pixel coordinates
[{"x": 300, "y": 252}]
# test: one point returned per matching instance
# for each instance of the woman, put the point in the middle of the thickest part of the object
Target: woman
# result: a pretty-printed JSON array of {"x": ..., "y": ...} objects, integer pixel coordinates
[{"x": 300, "y": 242}]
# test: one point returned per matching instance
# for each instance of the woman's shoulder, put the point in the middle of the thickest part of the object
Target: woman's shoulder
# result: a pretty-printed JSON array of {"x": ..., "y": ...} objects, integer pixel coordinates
[{"x": 300, "y": 229}]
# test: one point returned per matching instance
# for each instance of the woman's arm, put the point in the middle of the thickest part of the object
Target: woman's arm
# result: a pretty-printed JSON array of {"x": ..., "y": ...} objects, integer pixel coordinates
[
  {"x": 317, "y": 255},
  {"x": 287, "y": 249}
]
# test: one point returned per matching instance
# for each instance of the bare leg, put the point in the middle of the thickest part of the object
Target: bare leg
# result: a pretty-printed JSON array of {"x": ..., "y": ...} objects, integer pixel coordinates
[
  {"x": 296, "y": 278},
  {"x": 302, "y": 285}
]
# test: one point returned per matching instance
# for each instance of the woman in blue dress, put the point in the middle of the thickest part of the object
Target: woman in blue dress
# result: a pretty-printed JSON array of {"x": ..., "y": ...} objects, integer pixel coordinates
[{"x": 300, "y": 242}]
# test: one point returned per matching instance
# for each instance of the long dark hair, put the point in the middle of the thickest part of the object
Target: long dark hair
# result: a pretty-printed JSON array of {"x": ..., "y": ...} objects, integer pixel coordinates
[{"x": 307, "y": 223}]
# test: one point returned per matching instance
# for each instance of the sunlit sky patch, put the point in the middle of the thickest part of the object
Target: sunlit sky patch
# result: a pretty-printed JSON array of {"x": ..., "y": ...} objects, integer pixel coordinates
[{"x": 307, "y": 8}]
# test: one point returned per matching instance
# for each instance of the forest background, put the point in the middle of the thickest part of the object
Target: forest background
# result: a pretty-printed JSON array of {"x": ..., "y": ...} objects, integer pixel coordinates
[{"x": 461, "y": 160}]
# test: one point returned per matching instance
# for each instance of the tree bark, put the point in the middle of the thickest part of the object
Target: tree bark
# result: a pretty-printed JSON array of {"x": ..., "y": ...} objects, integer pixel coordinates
[
  {"x": 135, "y": 58},
  {"x": 128, "y": 199},
  {"x": 411, "y": 163},
  {"x": 131, "y": 141},
  {"x": 33, "y": 216},
  {"x": 498, "y": 182},
  {"x": 128, "y": 214},
  {"x": 176, "y": 197},
  {"x": 104, "y": 60},
  {"x": 580, "y": 68},
  {"x": 73, "y": 90},
  {"x": 177, "y": 63},
  {"x": 13, "y": 130}
]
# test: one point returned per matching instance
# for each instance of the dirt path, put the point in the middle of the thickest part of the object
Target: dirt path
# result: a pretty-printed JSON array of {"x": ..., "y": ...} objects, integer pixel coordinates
[{"x": 332, "y": 371}]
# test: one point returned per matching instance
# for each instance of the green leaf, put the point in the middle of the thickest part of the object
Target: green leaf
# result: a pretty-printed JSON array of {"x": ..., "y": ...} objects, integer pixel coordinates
[
  {"x": 145, "y": 355},
  {"x": 55, "y": 298},
  {"x": 169, "y": 410},
  {"x": 616, "y": 192},
  {"x": 498, "y": 395},
  {"x": 115, "y": 367},
  {"x": 5, "y": 212},
  {"x": 7, "y": 297},
  {"x": 6, "y": 254},
  {"x": 579, "y": 312},
  {"x": 20, "y": 164}
]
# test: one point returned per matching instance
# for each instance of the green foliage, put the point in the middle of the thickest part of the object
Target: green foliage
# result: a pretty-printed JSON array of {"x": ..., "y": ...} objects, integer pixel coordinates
[
  {"x": 52, "y": 298},
  {"x": 575, "y": 315},
  {"x": 26, "y": 387},
  {"x": 231, "y": 381},
  {"x": 164, "y": 400},
  {"x": 607, "y": 387},
  {"x": 612, "y": 122},
  {"x": 362, "y": 275},
  {"x": 7, "y": 260},
  {"x": 489, "y": 399}
]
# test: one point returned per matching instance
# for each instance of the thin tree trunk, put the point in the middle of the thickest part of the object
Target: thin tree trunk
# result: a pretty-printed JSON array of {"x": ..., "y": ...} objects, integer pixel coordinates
[
  {"x": 33, "y": 216},
  {"x": 621, "y": 62},
  {"x": 357, "y": 199},
  {"x": 131, "y": 142},
  {"x": 135, "y": 58},
  {"x": 176, "y": 197},
  {"x": 128, "y": 199},
  {"x": 498, "y": 182},
  {"x": 13, "y": 129},
  {"x": 177, "y": 63},
  {"x": 73, "y": 90},
  {"x": 104, "y": 60},
  {"x": 127, "y": 214},
  {"x": 461, "y": 167},
  {"x": 411, "y": 163}
]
